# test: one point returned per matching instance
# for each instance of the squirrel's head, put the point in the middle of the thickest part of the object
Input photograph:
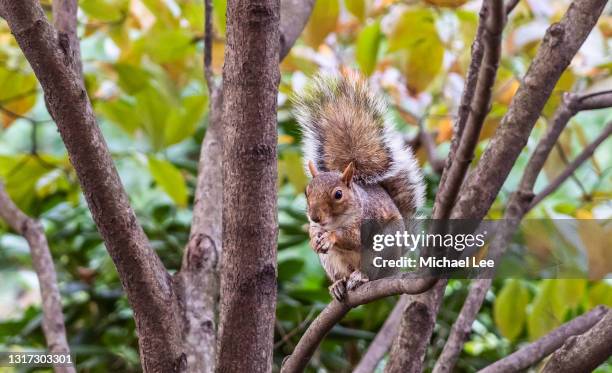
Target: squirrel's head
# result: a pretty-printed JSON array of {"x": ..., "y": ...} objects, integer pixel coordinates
[{"x": 330, "y": 196}]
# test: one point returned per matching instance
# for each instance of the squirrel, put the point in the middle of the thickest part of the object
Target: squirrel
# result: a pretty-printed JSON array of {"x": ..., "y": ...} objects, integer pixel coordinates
[{"x": 361, "y": 169}]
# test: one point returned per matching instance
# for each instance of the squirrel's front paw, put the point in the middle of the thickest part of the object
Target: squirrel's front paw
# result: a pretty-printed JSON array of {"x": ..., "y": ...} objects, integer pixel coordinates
[
  {"x": 338, "y": 289},
  {"x": 355, "y": 279},
  {"x": 324, "y": 242}
]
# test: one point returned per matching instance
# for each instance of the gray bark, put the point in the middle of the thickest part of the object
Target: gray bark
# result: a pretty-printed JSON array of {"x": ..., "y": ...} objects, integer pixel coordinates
[
  {"x": 53, "y": 316},
  {"x": 248, "y": 280}
]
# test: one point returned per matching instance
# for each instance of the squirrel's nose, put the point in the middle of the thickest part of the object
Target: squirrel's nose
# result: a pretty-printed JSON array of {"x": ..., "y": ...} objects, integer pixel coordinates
[{"x": 315, "y": 218}]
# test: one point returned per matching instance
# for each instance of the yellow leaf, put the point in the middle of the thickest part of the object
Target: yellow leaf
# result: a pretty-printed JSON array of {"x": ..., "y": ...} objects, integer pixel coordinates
[
  {"x": 506, "y": 92},
  {"x": 596, "y": 239},
  {"x": 322, "y": 21},
  {"x": 584, "y": 214},
  {"x": 447, "y": 3},
  {"x": 285, "y": 139}
]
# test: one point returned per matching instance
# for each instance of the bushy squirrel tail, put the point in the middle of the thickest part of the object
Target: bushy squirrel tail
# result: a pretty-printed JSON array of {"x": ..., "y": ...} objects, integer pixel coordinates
[{"x": 344, "y": 121}]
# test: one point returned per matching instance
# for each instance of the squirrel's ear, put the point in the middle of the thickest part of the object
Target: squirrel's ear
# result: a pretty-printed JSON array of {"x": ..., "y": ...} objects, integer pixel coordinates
[
  {"x": 347, "y": 175},
  {"x": 312, "y": 168}
]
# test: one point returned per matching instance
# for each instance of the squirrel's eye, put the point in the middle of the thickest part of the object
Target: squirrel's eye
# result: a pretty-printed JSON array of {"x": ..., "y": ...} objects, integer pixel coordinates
[{"x": 338, "y": 194}]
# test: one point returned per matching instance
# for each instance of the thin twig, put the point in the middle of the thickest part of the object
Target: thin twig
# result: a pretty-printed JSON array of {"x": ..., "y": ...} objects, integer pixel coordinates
[
  {"x": 565, "y": 160},
  {"x": 571, "y": 168},
  {"x": 517, "y": 208},
  {"x": 53, "y": 317},
  {"x": 479, "y": 108},
  {"x": 208, "y": 40}
]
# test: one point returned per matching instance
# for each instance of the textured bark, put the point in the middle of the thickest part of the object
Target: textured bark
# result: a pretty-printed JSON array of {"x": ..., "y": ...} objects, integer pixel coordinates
[
  {"x": 248, "y": 280},
  {"x": 479, "y": 106},
  {"x": 493, "y": 15},
  {"x": 462, "y": 327},
  {"x": 416, "y": 322},
  {"x": 65, "y": 22},
  {"x": 145, "y": 280},
  {"x": 410, "y": 345},
  {"x": 583, "y": 353},
  {"x": 481, "y": 186},
  {"x": 198, "y": 279},
  {"x": 468, "y": 88},
  {"x": 53, "y": 316},
  {"x": 520, "y": 203},
  {"x": 407, "y": 283},
  {"x": 381, "y": 344},
  {"x": 561, "y": 42},
  {"x": 536, "y": 351}
]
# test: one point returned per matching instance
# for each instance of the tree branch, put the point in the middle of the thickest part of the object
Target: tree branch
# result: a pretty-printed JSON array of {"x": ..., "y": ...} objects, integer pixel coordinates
[
  {"x": 573, "y": 166},
  {"x": 208, "y": 40},
  {"x": 406, "y": 283},
  {"x": 198, "y": 279},
  {"x": 53, "y": 317},
  {"x": 248, "y": 281},
  {"x": 143, "y": 276},
  {"x": 65, "y": 22},
  {"x": 482, "y": 185},
  {"x": 583, "y": 353},
  {"x": 381, "y": 344},
  {"x": 437, "y": 164},
  {"x": 536, "y": 351},
  {"x": 294, "y": 17},
  {"x": 479, "y": 108},
  {"x": 463, "y": 326},
  {"x": 518, "y": 206}
]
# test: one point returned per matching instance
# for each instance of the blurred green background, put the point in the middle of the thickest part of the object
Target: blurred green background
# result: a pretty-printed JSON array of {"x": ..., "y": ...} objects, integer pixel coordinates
[{"x": 144, "y": 73}]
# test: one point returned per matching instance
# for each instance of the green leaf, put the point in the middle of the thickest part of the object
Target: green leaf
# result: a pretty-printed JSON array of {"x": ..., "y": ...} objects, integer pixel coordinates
[
  {"x": 153, "y": 108},
  {"x": 367, "y": 47},
  {"x": 17, "y": 93},
  {"x": 121, "y": 112},
  {"x": 169, "y": 179},
  {"x": 509, "y": 309},
  {"x": 601, "y": 293},
  {"x": 105, "y": 10},
  {"x": 295, "y": 171},
  {"x": 219, "y": 9},
  {"x": 541, "y": 319},
  {"x": 567, "y": 294},
  {"x": 357, "y": 8},
  {"x": 22, "y": 173},
  {"x": 132, "y": 79},
  {"x": 415, "y": 35},
  {"x": 169, "y": 45},
  {"x": 322, "y": 21},
  {"x": 184, "y": 119}
]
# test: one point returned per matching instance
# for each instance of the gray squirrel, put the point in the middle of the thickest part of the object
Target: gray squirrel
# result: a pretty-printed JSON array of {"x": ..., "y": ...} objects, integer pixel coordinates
[{"x": 361, "y": 170}]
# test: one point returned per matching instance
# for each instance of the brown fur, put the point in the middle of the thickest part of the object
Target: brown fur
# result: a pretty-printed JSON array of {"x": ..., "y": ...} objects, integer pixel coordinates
[{"x": 343, "y": 218}]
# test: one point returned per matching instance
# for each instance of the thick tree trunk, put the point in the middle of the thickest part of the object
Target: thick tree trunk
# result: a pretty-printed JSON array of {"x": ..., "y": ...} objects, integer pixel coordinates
[{"x": 248, "y": 278}]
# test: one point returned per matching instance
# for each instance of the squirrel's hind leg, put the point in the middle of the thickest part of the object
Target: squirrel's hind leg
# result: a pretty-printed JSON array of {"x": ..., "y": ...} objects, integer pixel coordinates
[
  {"x": 338, "y": 289},
  {"x": 355, "y": 279}
]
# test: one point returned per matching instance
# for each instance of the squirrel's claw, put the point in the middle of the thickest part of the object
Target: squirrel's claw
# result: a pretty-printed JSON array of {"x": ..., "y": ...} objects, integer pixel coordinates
[
  {"x": 355, "y": 279},
  {"x": 324, "y": 242},
  {"x": 338, "y": 289}
]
